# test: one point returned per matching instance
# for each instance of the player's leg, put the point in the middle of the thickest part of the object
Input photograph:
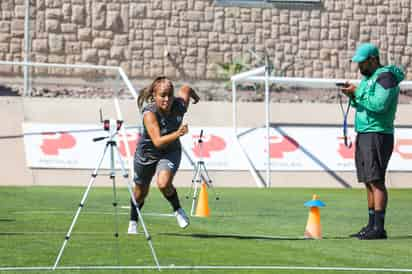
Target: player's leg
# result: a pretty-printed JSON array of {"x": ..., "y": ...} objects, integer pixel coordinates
[
  {"x": 380, "y": 194},
  {"x": 383, "y": 147},
  {"x": 166, "y": 169},
  {"x": 142, "y": 178},
  {"x": 361, "y": 152}
]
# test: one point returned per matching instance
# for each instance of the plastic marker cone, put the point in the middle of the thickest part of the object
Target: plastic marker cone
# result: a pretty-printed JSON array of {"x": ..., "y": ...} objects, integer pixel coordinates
[
  {"x": 202, "y": 209},
  {"x": 313, "y": 228}
]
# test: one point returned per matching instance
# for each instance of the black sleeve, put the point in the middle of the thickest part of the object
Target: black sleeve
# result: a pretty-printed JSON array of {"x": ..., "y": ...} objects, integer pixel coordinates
[
  {"x": 387, "y": 80},
  {"x": 179, "y": 105},
  {"x": 150, "y": 107}
]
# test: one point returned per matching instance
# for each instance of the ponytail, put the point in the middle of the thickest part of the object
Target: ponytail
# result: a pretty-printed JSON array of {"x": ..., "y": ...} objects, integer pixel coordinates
[{"x": 145, "y": 95}]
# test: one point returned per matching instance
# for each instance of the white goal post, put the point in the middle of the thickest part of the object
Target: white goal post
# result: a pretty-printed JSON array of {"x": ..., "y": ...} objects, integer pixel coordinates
[
  {"x": 119, "y": 74},
  {"x": 261, "y": 75},
  {"x": 119, "y": 77}
]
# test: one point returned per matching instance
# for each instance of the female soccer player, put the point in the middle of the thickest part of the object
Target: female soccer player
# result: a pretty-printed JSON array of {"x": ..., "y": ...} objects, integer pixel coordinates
[{"x": 159, "y": 149}]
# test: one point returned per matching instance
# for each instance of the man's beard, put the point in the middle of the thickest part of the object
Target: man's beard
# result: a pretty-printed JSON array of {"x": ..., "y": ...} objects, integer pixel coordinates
[{"x": 366, "y": 72}]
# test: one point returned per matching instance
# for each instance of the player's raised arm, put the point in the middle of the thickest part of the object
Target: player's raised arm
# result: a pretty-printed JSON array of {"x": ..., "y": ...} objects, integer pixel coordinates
[{"x": 186, "y": 92}]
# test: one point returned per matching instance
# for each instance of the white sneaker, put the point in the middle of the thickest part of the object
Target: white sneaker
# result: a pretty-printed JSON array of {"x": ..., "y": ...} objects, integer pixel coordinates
[
  {"x": 132, "y": 230},
  {"x": 181, "y": 217}
]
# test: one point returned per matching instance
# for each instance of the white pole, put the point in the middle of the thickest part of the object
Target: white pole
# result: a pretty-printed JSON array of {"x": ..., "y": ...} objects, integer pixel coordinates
[
  {"x": 55, "y": 65},
  {"x": 252, "y": 170},
  {"x": 234, "y": 113},
  {"x": 267, "y": 105},
  {"x": 246, "y": 74},
  {"x": 302, "y": 82},
  {"x": 129, "y": 158},
  {"x": 27, "y": 89},
  {"x": 129, "y": 85}
]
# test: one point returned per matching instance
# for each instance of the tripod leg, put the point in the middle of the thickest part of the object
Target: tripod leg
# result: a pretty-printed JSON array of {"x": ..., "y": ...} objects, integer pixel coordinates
[
  {"x": 115, "y": 203},
  {"x": 190, "y": 189},
  {"x": 146, "y": 232},
  {"x": 195, "y": 181},
  {"x": 129, "y": 187},
  {"x": 82, "y": 202},
  {"x": 194, "y": 200},
  {"x": 206, "y": 178}
]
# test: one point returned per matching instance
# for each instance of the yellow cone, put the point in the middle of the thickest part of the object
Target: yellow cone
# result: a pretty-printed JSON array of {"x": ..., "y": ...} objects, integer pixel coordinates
[{"x": 202, "y": 209}]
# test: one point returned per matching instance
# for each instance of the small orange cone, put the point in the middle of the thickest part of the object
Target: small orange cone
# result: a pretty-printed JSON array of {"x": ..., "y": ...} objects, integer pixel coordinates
[
  {"x": 313, "y": 228},
  {"x": 202, "y": 209}
]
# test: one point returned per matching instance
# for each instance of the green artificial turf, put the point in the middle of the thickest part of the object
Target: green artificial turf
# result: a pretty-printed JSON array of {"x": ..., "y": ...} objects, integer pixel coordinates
[{"x": 247, "y": 227}]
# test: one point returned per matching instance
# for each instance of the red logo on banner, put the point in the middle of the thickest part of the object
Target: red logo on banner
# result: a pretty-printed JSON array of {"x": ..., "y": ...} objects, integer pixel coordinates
[
  {"x": 52, "y": 142},
  {"x": 213, "y": 143},
  {"x": 344, "y": 151},
  {"x": 132, "y": 140},
  {"x": 401, "y": 144},
  {"x": 280, "y": 145}
]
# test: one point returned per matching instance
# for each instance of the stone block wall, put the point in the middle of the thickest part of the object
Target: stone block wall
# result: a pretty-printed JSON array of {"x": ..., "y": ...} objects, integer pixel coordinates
[{"x": 185, "y": 39}]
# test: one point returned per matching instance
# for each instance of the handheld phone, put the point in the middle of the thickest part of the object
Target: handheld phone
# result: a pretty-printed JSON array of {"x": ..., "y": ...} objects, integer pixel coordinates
[{"x": 340, "y": 84}]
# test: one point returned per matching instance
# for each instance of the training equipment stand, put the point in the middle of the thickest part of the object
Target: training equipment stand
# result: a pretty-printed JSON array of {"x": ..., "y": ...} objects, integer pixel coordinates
[
  {"x": 112, "y": 126},
  {"x": 200, "y": 175}
]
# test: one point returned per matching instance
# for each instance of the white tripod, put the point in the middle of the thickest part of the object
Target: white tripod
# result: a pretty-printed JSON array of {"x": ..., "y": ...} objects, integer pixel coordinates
[
  {"x": 200, "y": 174},
  {"x": 112, "y": 126}
]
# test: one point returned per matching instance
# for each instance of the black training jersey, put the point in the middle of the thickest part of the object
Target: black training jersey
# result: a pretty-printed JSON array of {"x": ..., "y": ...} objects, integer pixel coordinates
[{"x": 146, "y": 152}]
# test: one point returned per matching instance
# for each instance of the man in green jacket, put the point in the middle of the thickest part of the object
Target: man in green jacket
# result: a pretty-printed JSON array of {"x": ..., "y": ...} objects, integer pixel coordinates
[{"x": 375, "y": 100}]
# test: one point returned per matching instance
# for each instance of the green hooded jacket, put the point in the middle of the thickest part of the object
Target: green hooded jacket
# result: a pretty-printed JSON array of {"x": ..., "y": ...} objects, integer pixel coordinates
[{"x": 376, "y": 100}]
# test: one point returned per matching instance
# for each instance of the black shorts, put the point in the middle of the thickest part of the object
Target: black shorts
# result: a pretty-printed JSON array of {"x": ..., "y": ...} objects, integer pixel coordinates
[
  {"x": 372, "y": 153},
  {"x": 143, "y": 173}
]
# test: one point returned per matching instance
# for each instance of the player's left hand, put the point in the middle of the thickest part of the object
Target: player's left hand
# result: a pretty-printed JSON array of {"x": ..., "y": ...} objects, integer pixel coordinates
[
  {"x": 182, "y": 130},
  {"x": 349, "y": 90},
  {"x": 194, "y": 96}
]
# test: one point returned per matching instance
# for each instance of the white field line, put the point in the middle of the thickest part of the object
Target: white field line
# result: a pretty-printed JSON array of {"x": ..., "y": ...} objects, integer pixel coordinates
[
  {"x": 214, "y": 267},
  {"x": 90, "y": 212},
  {"x": 12, "y": 233},
  {"x": 268, "y": 237},
  {"x": 110, "y": 213}
]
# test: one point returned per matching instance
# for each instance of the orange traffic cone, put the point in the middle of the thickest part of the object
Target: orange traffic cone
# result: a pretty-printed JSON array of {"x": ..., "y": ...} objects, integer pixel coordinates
[
  {"x": 313, "y": 228},
  {"x": 202, "y": 209}
]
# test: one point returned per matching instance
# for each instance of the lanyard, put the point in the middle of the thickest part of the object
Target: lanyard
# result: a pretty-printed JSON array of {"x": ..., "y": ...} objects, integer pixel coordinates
[{"x": 345, "y": 113}]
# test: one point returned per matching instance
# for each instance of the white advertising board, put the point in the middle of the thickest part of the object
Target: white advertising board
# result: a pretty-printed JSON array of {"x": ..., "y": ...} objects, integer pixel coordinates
[{"x": 291, "y": 147}]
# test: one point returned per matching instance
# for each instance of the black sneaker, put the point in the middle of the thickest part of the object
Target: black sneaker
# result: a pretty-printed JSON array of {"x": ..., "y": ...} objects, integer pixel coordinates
[
  {"x": 361, "y": 232},
  {"x": 374, "y": 234}
]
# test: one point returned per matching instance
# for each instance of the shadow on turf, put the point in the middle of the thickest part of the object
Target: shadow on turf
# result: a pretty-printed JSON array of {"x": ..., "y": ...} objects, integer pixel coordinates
[
  {"x": 232, "y": 236},
  {"x": 400, "y": 237},
  {"x": 11, "y": 233},
  {"x": 7, "y": 220},
  {"x": 259, "y": 237}
]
